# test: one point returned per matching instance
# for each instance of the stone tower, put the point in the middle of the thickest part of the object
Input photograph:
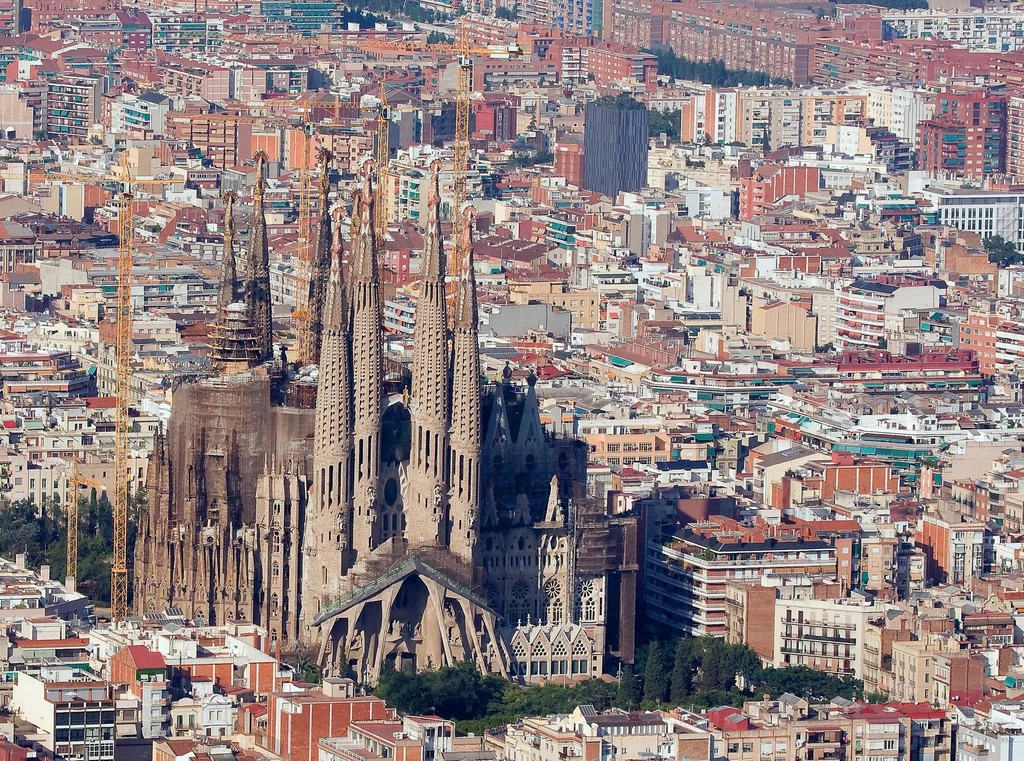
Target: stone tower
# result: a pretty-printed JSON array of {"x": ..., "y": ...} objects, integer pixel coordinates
[
  {"x": 228, "y": 292},
  {"x": 466, "y": 427},
  {"x": 322, "y": 258},
  {"x": 257, "y": 274},
  {"x": 368, "y": 375},
  {"x": 232, "y": 337},
  {"x": 325, "y": 537},
  {"x": 430, "y": 404}
]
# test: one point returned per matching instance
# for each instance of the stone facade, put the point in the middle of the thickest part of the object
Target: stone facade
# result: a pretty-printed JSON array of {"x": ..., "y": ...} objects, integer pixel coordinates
[{"x": 424, "y": 528}]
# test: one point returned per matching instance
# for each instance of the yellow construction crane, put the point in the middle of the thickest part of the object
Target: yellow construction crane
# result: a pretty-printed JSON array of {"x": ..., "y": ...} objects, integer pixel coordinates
[
  {"x": 381, "y": 209},
  {"x": 464, "y": 54},
  {"x": 75, "y": 482},
  {"x": 122, "y": 386},
  {"x": 122, "y": 368}
]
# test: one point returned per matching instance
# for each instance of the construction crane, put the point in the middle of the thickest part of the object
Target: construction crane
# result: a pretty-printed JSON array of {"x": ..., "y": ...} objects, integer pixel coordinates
[
  {"x": 464, "y": 54},
  {"x": 381, "y": 209},
  {"x": 460, "y": 168},
  {"x": 75, "y": 482},
  {"x": 122, "y": 369}
]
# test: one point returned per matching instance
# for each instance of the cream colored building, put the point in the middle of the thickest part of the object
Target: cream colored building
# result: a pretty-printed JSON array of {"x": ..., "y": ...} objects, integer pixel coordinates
[
  {"x": 611, "y": 736},
  {"x": 825, "y": 635},
  {"x": 583, "y": 304},
  {"x": 785, "y": 319},
  {"x": 913, "y": 673}
]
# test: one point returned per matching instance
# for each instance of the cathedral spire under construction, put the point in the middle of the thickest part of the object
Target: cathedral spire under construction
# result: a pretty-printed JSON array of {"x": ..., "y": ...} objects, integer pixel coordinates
[
  {"x": 257, "y": 275},
  {"x": 321, "y": 270},
  {"x": 227, "y": 292},
  {"x": 326, "y": 535},
  {"x": 430, "y": 405},
  {"x": 367, "y": 371},
  {"x": 233, "y": 339},
  {"x": 467, "y": 423}
]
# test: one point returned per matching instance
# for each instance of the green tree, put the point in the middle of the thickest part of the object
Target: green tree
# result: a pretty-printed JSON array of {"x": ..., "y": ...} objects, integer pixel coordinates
[
  {"x": 682, "y": 672},
  {"x": 628, "y": 695},
  {"x": 508, "y": 14},
  {"x": 655, "y": 682},
  {"x": 713, "y": 72},
  {"x": 1002, "y": 252},
  {"x": 715, "y": 671},
  {"x": 668, "y": 123}
]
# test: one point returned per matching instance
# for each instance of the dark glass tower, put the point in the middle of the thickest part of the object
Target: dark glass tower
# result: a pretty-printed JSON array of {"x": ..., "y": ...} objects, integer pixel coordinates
[{"x": 615, "y": 146}]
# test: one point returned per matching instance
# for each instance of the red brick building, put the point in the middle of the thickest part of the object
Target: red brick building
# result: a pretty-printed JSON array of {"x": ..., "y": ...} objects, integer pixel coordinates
[
  {"x": 494, "y": 117},
  {"x": 966, "y": 135},
  {"x": 608, "y": 63},
  {"x": 771, "y": 40},
  {"x": 771, "y": 183},
  {"x": 137, "y": 663},
  {"x": 297, "y": 721},
  {"x": 569, "y": 162}
]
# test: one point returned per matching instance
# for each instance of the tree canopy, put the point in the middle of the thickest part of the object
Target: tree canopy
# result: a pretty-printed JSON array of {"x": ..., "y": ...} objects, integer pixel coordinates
[
  {"x": 40, "y": 531},
  {"x": 667, "y": 122},
  {"x": 392, "y": 8},
  {"x": 701, "y": 672},
  {"x": 621, "y": 102},
  {"x": 713, "y": 72},
  {"x": 1002, "y": 252}
]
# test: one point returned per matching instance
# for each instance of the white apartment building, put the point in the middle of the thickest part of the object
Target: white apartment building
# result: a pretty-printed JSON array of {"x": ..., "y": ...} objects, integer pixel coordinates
[
  {"x": 993, "y": 30},
  {"x": 985, "y": 212},
  {"x": 825, "y": 635},
  {"x": 865, "y": 309},
  {"x": 999, "y": 736},
  {"x": 140, "y": 115}
]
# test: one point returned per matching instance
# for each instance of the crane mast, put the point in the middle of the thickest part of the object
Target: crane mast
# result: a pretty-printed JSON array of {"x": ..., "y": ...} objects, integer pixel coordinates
[
  {"x": 381, "y": 209},
  {"x": 463, "y": 91},
  {"x": 122, "y": 380},
  {"x": 303, "y": 314},
  {"x": 71, "y": 566},
  {"x": 122, "y": 392}
]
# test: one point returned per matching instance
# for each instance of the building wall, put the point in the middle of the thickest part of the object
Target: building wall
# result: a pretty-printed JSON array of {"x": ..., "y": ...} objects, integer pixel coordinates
[
  {"x": 748, "y": 609},
  {"x": 785, "y": 320},
  {"x": 826, "y": 635},
  {"x": 615, "y": 150},
  {"x": 296, "y": 726}
]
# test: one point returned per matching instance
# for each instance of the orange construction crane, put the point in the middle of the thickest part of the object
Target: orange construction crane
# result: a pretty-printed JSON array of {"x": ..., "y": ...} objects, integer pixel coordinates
[
  {"x": 382, "y": 160},
  {"x": 122, "y": 386},
  {"x": 463, "y": 52},
  {"x": 122, "y": 366}
]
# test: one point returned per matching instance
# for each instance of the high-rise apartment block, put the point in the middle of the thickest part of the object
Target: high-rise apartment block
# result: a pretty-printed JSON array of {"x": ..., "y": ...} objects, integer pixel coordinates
[
  {"x": 966, "y": 135},
  {"x": 73, "y": 106},
  {"x": 743, "y": 37}
]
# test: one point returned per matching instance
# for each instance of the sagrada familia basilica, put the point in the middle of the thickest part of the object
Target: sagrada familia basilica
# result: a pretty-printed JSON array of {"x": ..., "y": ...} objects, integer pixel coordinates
[{"x": 418, "y": 523}]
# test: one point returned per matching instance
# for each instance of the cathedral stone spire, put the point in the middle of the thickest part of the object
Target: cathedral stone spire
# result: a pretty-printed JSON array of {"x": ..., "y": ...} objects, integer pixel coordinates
[
  {"x": 325, "y": 540},
  {"x": 321, "y": 257},
  {"x": 367, "y": 371},
  {"x": 257, "y": 275},
  {"x": 234, "y": 341},
  {"x": 466, "y": 431},
  {"x": 430, "y": 405},
  {"x": 227, "y": 292}
]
